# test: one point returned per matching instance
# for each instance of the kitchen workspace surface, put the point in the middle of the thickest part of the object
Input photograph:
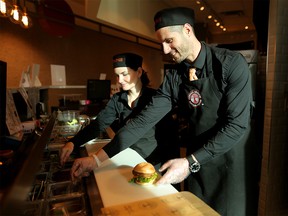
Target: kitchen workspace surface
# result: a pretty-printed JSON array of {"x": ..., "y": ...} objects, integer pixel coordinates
[{"x": 121, "y": 197}]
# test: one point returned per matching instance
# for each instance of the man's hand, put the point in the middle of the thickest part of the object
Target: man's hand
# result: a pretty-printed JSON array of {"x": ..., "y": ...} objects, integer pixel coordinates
[
  {"x": 177, "y": 171},
  {"x": 66, "y": 152},
  {"x": 82, "y": 167}
]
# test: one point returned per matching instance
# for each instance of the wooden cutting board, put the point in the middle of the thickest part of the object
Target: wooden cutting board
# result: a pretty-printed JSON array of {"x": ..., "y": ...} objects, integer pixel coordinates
[
  {"x": 178, "y": 204},
  {"x": 113, "y": 181}
]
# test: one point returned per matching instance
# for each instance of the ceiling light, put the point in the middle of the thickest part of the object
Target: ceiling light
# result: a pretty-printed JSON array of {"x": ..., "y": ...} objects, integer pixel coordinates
[
  {"x": 26, "y": 21},
  {"x": 15, "y": 14},
  {"x": 211, "y": 14},
  {"x": 4, "y": 7}
]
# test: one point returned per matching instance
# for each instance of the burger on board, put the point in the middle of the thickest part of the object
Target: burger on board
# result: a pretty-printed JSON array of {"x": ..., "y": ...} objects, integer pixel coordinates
[{"x": 144, "y": 174}]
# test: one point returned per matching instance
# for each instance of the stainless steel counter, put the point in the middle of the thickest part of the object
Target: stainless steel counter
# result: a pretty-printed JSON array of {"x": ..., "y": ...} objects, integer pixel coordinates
[
  {"x": 20, "y": 173},
  {"x": 37, "y": 185}
]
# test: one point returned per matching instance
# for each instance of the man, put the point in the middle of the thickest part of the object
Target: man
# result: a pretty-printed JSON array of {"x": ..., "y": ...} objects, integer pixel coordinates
[{"x": 212, "y": 89}]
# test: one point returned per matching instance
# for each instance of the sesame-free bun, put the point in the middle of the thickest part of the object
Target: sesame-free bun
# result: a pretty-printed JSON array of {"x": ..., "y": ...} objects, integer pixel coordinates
[
  {"x": 144, "y": 173},
  {"x": 144, "y": 168}
]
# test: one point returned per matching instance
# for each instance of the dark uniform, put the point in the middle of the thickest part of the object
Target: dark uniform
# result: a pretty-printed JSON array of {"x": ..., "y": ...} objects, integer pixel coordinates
[
  {"x": 218, "y": 106},
  {"x": 118, "y": 112}
]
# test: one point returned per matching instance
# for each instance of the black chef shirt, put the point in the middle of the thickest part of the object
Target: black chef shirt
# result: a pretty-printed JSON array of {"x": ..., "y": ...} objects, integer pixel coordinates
[
  {"x": 117, "y": 109},
  {"x": 233, "y": 86}
]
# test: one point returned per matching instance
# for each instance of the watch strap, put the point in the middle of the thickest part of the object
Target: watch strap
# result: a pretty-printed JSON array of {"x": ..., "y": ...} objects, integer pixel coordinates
[{"x": 190, "y": 159}]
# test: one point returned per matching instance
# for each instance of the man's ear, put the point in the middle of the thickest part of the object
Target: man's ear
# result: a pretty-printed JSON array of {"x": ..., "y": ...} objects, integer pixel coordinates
[{"x": 188, "y": 29}]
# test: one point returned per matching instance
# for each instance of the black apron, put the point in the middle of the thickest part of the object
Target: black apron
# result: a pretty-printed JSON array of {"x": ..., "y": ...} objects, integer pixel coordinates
[{"x": 220, "y": 182}]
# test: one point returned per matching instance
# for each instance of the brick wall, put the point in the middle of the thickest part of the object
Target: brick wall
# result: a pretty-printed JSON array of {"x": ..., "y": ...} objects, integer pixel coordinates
[{"x": 274, "y": 174}]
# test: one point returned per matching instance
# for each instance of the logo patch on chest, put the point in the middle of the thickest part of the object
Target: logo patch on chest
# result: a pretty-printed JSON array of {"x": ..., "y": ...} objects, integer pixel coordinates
[{"x": 194, "y": 98}]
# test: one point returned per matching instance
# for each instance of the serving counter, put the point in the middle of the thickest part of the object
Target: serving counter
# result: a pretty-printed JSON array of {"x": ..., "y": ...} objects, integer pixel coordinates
[
  {"x": 34, "y": 183},
  {"x": 40, "y": 186}
]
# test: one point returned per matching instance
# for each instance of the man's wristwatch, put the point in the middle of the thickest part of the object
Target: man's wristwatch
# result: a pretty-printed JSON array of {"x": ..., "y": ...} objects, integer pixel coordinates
[{"x": 194, "y": 165}]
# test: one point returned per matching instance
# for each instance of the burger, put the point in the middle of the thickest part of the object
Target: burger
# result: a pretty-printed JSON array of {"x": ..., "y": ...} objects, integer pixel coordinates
[{"x": 144, "y": 174}]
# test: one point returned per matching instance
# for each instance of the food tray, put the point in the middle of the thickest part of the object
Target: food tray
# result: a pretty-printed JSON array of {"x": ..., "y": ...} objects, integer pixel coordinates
[
  {"x": 65, "y": 207},
  {"x": 63, "y": 190}
]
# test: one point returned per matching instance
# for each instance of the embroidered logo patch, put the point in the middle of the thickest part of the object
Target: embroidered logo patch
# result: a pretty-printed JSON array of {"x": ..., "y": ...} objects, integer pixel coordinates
[{"x": 195, "y": 98}]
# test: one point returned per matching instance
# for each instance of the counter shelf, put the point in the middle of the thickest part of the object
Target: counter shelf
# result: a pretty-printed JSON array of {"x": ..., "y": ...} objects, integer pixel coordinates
[
  {"x": 20, "y": 174},
  {"x": 55, "y": 191},
  {"x": 36, "y": 183}
]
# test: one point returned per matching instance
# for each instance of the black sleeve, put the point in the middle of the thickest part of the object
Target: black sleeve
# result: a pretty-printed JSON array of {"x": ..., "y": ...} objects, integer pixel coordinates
[
  {"x": 104, "y": 119},
  {"x": 136, "y": 128}
]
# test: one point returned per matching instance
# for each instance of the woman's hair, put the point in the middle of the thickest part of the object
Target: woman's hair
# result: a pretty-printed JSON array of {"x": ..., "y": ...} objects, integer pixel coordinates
[{"x": 144, "y": 78}]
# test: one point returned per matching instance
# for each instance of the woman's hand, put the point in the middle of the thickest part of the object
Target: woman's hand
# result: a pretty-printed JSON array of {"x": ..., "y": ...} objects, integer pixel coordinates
[
  {"x": 82, "y": 167},
  {"x": 177, "y": 171},
  {"x": 66, "y": 152}
]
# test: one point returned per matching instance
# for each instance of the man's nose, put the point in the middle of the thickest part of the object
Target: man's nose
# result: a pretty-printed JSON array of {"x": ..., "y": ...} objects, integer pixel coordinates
[{"x": 166, "y": 48}]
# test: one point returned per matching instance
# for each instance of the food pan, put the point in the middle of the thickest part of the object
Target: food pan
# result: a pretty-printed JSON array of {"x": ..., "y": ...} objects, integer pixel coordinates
[
  {"x": 61, "y": 175},
  {"x": 34, "y": 208},
  {"x": 70, "y": 206},
  {"x": 64, "y": 189}
]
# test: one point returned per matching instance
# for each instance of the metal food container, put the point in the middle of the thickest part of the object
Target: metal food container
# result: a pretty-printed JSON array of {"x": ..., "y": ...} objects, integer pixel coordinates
[
  {"x": 72, "y": 206},
  {"x": 64, "y": 189},
  {"x": 53, "y": 192}
]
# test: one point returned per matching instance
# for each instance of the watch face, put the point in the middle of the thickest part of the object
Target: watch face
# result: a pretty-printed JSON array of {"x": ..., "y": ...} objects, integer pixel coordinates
[{"x": 195, "y": 167}]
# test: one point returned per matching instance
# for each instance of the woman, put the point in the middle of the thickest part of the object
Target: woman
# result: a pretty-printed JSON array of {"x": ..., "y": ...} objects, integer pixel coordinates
[{"x": 123, "y": 106}]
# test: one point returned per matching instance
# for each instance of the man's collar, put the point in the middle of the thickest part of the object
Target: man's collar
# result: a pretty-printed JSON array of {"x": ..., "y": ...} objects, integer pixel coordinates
[{"x": 200, "y": 60}]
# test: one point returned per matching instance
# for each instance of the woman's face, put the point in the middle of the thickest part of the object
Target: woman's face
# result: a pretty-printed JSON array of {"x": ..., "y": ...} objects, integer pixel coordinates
[{"x": 127, "y": 77}]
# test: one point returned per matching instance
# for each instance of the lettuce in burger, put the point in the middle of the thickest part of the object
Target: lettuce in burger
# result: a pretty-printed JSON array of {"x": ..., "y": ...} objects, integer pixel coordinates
[{"x": 144, "y": 174}]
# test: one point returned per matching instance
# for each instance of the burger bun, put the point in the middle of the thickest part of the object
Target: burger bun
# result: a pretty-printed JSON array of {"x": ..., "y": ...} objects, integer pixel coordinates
[{"x": 144, "y": 174}]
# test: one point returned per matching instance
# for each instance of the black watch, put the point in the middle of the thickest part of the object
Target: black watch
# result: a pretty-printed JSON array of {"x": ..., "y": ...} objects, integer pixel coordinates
[{"x": 194, "y": 166}]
